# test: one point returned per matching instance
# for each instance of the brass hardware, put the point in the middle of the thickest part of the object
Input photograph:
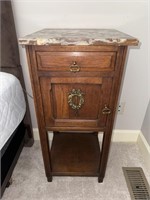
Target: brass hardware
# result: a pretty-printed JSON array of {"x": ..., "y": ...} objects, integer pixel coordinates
[
  {"x": 106, "y": 110},
  {"x": 74, "y": 67},
  {"x": 76, "y": 99}
]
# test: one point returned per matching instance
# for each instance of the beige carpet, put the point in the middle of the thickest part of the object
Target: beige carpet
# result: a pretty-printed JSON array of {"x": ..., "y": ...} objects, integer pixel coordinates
[{"x": 29, "y": 181}]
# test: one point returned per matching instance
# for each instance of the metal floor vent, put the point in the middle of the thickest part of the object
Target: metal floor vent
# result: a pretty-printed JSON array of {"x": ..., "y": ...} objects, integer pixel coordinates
[{"x": 137, "y": 183}]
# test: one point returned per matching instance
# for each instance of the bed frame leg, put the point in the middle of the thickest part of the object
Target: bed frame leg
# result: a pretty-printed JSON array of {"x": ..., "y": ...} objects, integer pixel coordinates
[
  {"x": 9, "y": 182},
  {"x": 28, "y": 136}
]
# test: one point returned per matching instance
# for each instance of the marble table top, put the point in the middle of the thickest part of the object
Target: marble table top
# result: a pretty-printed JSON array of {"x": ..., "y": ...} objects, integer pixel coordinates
[{"x": 79, "y": 37}]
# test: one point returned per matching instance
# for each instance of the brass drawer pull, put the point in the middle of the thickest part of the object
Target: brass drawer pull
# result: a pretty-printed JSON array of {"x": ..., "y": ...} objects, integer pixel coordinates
[
  {"x": 75, "y": 99},
  {"x": 106, "y": 111},
  {"x": 74, "y": 67}
]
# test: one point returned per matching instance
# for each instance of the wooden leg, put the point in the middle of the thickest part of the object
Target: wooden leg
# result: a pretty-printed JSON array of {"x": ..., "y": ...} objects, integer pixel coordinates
[
  {"x": 49, "y": 179},
  {"x": 104, "y": 155},
  {"x": 100, "y": 179},
  {"x": 46, "y": 153}
]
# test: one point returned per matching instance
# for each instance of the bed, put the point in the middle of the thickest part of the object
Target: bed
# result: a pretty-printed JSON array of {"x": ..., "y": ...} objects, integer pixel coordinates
[
  {"x": 12, "y": 106},
  {"x": 12, "y": 128},
  {"x": 15, "y": 121}
]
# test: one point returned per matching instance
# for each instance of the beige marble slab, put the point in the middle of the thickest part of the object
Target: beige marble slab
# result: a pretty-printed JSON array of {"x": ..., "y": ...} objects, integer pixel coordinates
[{"x": 78, "y": 37}]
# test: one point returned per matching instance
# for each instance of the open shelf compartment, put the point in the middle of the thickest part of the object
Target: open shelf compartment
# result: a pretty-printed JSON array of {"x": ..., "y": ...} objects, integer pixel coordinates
[{"x": 75, "y": 154}]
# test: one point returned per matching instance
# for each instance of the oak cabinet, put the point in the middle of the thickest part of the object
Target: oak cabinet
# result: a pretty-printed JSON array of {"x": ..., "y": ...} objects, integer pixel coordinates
[{"x": 76, "y": 85}]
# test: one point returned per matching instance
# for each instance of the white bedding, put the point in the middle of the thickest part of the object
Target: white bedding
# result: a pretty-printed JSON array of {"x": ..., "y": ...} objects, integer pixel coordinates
[{"x": 12, "y": 106}]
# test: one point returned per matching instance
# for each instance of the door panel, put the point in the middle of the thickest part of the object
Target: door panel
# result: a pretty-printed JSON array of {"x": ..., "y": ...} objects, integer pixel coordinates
[
  {"x": 89, "y": 108},
  {"x": 75, "y": 101}
]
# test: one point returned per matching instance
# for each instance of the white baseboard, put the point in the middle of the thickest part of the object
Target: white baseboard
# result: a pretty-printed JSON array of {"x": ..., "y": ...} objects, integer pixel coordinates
[
  {"x": 145, "y": 149},
  {"x": 36, "y": 134},
  {"x": 125, "y": 135}
]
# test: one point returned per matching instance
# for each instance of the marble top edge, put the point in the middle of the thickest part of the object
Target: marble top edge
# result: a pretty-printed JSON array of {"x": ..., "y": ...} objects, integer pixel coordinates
[{"x": 78, "y": 37}]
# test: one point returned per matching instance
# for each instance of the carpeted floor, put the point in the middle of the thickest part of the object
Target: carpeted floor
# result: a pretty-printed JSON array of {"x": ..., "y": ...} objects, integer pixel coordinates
[{"x": 29, "y": 181}]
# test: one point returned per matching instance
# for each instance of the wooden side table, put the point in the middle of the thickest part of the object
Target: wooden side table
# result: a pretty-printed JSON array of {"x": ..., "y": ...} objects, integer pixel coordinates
[{"x": 76, "y": 77}]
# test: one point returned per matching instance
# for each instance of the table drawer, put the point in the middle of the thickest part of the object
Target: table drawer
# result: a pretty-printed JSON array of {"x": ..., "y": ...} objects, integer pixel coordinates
[{"x": 76, "y": 61}]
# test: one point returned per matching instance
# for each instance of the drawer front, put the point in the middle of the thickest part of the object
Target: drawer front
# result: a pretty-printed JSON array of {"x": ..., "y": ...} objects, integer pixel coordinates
[
  {"x": 76, "y": 61},
  {"x": 75, "y": 102}
]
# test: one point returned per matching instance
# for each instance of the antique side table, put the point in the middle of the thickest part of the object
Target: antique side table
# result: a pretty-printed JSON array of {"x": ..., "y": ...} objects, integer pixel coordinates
[{"x": 76, "y": 77}]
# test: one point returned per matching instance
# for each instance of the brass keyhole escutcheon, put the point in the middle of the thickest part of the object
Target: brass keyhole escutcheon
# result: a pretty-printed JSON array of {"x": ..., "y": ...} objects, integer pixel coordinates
[
  {"x": 74, "y": 67},
  {"x": 76, "y": 99},
  {"x": 106, "y": 110}
]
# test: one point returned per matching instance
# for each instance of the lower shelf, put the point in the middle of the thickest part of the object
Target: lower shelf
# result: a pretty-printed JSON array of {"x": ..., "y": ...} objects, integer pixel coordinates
[{"x": 75, "y": 154}]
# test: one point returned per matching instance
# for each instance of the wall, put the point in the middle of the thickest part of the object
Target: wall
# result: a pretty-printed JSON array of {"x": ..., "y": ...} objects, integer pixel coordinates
[{"x": 128, "y": 16}]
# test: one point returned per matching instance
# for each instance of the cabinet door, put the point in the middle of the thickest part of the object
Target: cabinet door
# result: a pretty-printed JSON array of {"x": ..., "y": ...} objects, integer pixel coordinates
[{"x": 71, "y": 102}]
